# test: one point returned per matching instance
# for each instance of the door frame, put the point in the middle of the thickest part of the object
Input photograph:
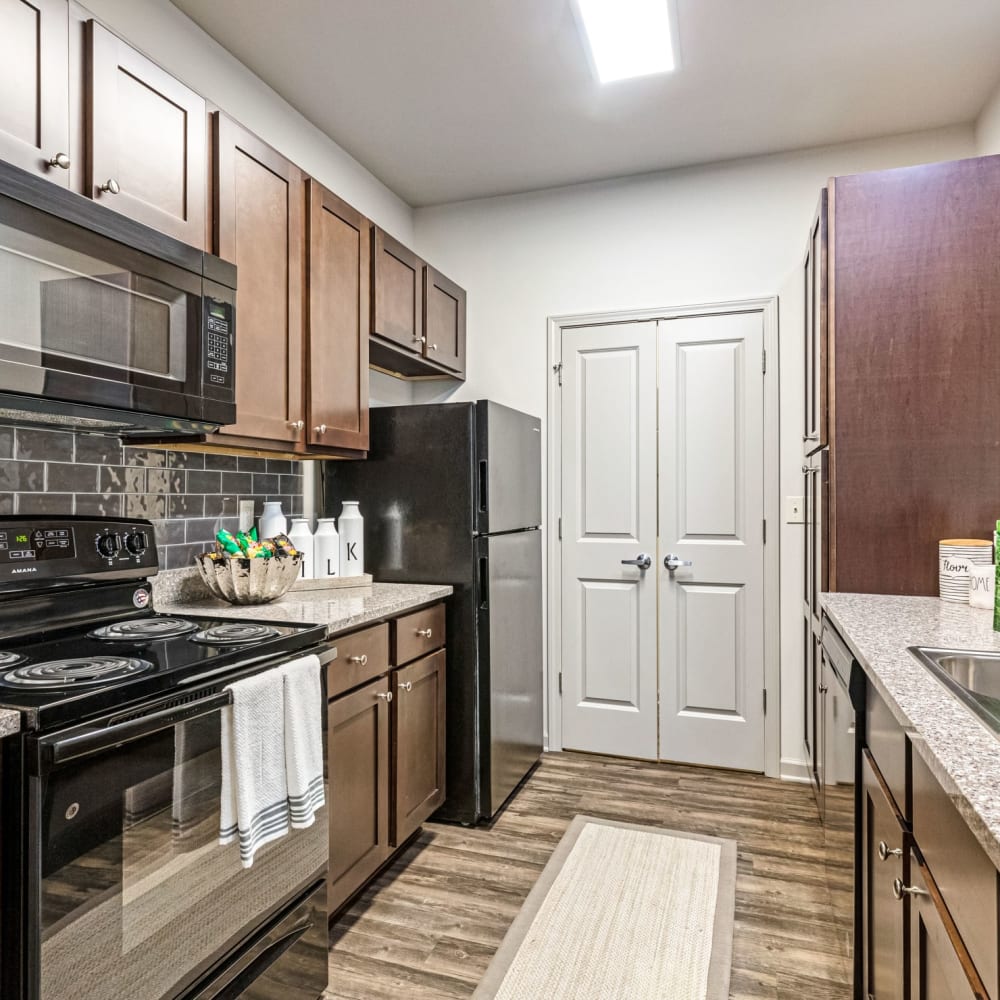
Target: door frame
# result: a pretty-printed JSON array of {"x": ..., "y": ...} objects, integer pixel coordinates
[{"x": 768, "y": 308}]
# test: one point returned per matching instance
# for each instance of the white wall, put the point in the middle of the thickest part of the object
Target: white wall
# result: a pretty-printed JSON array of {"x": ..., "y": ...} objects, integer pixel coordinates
[
  {"x": 988, "y": 126},
  {"x": 726, "y": 231},
  {"x": 173, "y": 40}
]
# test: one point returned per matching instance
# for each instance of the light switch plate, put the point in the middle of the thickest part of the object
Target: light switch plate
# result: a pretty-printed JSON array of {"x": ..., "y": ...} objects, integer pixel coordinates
[
  {"x": 246, "y": 515},
  {"x": 796, "y": 508}
]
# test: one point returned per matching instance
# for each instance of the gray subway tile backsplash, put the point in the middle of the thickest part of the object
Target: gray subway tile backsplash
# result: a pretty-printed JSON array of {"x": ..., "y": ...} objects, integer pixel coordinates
[{"x": 188, "y": 496}]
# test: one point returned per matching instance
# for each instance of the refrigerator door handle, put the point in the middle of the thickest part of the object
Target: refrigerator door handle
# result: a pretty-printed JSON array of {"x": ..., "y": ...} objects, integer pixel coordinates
[
  {"x": 484, "y": 582},
  {"x": 484, "y": 486}
]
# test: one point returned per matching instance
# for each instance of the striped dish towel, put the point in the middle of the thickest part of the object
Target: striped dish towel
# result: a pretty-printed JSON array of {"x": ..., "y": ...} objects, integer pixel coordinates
[
  {"x": 303, "y": 739},
  {"x": 254, "y": 802}
]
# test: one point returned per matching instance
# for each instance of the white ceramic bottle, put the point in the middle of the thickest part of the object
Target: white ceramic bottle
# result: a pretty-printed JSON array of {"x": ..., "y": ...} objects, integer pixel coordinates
[
  {"x": 302, "y": 538},
  {"x": 326, "y": 542},
  {"x": 352, "y": 540},
  {"x": 272, "y": 520}
]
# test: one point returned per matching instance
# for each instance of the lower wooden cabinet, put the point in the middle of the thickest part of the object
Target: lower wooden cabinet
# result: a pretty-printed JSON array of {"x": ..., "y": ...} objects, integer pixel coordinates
[
  {"x": 417, "y": 743},
  {"x": 359, "y": 784}
]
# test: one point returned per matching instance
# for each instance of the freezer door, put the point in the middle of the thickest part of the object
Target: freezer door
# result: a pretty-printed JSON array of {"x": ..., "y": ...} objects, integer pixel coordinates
[
  {"x": 510, "y": 636},
  {"x": 508, "y": 469}
]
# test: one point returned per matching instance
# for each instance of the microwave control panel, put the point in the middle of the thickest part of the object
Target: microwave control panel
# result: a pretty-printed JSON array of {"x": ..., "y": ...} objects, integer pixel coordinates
[{"x": 219, "y": 361}]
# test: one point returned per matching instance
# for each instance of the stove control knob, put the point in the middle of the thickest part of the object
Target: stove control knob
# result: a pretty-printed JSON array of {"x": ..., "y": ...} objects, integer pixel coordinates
[
  {"x": 136, "y": 543},
  {"x": 108, "y": 545}
]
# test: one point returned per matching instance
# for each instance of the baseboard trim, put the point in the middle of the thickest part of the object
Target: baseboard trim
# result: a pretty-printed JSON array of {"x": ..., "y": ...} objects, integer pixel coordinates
[{"x": 794, "y": 770}]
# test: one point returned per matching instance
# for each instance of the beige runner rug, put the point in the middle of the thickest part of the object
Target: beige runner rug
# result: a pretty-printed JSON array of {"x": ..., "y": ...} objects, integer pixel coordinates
[{"x": 622, "y": 911}]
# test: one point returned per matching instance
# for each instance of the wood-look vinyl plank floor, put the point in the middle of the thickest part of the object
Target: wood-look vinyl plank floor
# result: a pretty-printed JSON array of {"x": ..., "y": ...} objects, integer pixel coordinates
[{"x": 430, "y": 924}]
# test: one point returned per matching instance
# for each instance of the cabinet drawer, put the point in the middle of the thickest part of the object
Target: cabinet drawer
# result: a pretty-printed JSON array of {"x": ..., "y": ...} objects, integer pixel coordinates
[
  {"x": 887, "y": 742},
  {"x": 418, "y": 634},
  {"x": 962, "y": 870},
  {"x": 360, "y": 657}
]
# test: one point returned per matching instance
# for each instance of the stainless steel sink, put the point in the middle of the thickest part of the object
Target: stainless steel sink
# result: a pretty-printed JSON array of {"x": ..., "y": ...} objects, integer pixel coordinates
[{"x": 973, "y": 677}]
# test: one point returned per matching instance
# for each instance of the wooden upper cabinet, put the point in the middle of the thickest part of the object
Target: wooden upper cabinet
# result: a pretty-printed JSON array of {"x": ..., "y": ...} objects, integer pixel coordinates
[
  {"x": 398, "y": 299},
  {"x": 339, "y": 303},
  {"x": 146, "y": 140},
  {"x": 34, "y": 87},
  {"x": 258, "y": 210},
  {"x": 444, "y": 320}
]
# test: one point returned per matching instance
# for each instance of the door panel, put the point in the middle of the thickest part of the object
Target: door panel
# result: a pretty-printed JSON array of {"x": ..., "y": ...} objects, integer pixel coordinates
[
  {"x": 398, "y": 300},
  {"x": 146, "y": 134},
  {"x": 711, "y": 514},
  {"x": 444, "y": 320},
  {"x": 609, "y": 514},
  {"x": 34, "y": 82}
]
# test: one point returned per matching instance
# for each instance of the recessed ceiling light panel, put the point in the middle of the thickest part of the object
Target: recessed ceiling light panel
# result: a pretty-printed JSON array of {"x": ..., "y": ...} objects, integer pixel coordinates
[{"x": 628, "y": 38}]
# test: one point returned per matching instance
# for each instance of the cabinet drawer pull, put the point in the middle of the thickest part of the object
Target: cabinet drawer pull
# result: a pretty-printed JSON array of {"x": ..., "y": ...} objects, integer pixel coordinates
[
  {"x": 406, "y": 686},
  {"x": 899, "y": 890},
  {"x": 60, "y": 160},
  {"x": 110, "y": 186},
  {"x": 885, "y": 852},
  {"x": 387, "y": 695},
  {"x": 425, "y": 633},
  {"x": 362, "y": 659}
]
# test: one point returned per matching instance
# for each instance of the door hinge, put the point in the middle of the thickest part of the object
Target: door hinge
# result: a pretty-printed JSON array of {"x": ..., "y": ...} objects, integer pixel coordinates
[
  {"x": 557, "y": 368},
  {"x": 560, "y": 529},
  {"x": 764, "y": 530},
  {"x": 763, "y": 360},
  {"x": 765, "y": 701},
  {"x": 560, "y": 682}
]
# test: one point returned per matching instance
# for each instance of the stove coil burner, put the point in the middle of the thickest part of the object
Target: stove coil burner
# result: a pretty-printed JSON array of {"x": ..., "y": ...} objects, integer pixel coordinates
[
  {"x": 11, "y": 659},
  {"x": 143, "y": 629},
  {"x": 79, "y": 671},
  {"x": 235, "y": 633}
]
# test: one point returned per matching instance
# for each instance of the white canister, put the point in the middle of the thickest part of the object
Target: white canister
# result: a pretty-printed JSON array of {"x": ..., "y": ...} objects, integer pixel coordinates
[
  {"x": 956, "y": 556},
  {"x": 982, "y": 584},
  {"x": 302, "y": 538},
  {"x": 272, "y": 520},
  {"x": 326, "y": 543},
  {"x": 352, "y": 539}
]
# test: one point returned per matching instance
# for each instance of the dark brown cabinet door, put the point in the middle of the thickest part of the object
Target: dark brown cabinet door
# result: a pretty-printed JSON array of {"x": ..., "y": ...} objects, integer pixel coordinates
[
  {"x": 34, "y": 87},
  {"x": 881, "y": 845},
  {"x": 339, "y": 303},
  {"x": 259, "y": 205},
  {"x": 146, "y": 140},
  {"x": 418, "y": 732},
  {"x": 359, "y": 788},
  {"x": 814, "y": 433},
  {"x": 940, "y": 968},
  {"x": 444, "y": 321},
  {"x": 398, "y": 298}
]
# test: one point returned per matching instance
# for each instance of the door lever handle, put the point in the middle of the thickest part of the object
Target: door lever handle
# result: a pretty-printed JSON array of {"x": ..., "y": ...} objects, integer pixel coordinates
[
  {"x": 642, "y": 560},
  {"x": 672, "y": 562}
]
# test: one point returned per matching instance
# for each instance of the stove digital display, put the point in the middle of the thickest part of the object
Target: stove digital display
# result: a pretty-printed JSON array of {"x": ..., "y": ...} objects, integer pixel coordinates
[{"x": 28, "y": 545}]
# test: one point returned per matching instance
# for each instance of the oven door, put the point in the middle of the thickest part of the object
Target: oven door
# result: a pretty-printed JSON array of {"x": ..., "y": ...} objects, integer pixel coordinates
[
  {"x": 89, "y": 321},
  {"x": 129, "y": 892}
]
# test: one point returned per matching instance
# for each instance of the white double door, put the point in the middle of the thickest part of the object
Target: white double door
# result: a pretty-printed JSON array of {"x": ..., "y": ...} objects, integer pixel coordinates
[{"x": 662, "y": 457}]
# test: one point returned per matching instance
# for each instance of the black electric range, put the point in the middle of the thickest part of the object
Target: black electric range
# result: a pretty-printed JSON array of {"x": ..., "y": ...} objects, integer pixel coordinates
[{"x": 112, "y": 878}]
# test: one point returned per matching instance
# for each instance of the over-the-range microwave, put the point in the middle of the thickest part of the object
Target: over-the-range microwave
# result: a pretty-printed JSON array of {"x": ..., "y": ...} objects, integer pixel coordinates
[{"x": 106, "y": 324}]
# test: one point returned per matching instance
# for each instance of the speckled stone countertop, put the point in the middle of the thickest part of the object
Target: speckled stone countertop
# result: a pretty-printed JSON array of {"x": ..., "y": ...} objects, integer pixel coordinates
[
  {"x": 10, "y": 722},
  {"x": 181, "y": 592},
  {"x": 962, "y": 753}
]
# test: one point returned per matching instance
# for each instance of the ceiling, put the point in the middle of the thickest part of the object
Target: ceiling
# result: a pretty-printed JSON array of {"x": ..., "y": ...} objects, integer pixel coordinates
[{"x": 445, "y": 100}]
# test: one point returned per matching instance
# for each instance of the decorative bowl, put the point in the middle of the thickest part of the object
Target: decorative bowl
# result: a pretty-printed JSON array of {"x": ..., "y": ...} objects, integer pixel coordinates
[{"x": 240, "y": 580}]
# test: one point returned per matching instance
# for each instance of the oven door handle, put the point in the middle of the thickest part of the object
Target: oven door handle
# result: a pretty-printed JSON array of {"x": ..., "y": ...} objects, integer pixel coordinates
[{"x": 56, "y": 750}]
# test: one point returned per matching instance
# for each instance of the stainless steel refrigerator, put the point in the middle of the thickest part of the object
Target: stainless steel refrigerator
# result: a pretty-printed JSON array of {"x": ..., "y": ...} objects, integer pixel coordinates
[{"x": 451, "y": 493}]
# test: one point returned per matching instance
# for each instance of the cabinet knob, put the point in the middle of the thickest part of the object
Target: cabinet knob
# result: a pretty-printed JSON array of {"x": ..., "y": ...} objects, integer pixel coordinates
[
  {"x": 425, "y": 633},
  {"x": 387, "y": 695},
  {"x": 885, "y": 852},
  {"x": 899, "y": 890},
  {"x": 406, "y": 686},
  {"x": 296, "y": 425},
  {"x": 110, "y": 186},
  {"x": 60, "y": 160},
  {"x": 419, "y": 340},
  {"x": 434, "y": 347},
  {"x": 320, "y": 429},
  {"x": 362, "y": 659}
]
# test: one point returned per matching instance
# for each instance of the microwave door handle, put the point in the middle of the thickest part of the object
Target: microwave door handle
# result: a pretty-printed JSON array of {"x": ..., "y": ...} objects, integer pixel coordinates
[{"x": 56, "y": 751}]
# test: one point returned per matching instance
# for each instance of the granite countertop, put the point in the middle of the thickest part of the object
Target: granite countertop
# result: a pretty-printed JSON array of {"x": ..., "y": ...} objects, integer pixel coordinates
[
  {"x": 181, "y": 592},
  {"x": 962, "y": 753},
  {"x": 10, "y": 722}
]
